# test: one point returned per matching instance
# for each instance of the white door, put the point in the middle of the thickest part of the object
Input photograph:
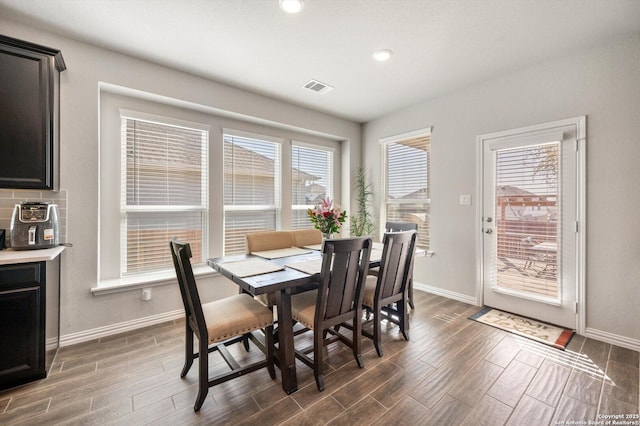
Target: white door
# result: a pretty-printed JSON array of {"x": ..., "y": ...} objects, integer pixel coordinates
[{"x": 531, "y": 205}]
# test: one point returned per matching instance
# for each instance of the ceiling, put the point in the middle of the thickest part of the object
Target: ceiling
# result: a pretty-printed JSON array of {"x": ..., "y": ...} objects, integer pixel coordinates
[{"x": 438, "y": 45}]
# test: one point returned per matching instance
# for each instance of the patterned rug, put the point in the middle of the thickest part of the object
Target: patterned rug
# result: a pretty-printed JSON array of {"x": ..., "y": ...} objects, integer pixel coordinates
[{"x": 548, "y": 334}]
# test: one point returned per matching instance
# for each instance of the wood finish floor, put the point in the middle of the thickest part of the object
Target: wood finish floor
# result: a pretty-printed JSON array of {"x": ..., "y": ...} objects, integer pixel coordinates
[{"x": 453, "y": 371}]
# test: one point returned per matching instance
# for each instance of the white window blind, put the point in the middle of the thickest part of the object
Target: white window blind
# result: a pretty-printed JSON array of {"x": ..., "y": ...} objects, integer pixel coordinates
[
  {"x": 527, "y": 219},
  {"x": 406, "y": 183},
  {"x": 311, "y": 180},
  {"x": 163, "y": 195},
  {"x": 251, "y": 189}
]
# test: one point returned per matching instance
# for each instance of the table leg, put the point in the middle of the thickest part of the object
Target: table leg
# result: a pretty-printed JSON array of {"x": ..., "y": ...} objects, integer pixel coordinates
[{"x": 285, "y": 336}]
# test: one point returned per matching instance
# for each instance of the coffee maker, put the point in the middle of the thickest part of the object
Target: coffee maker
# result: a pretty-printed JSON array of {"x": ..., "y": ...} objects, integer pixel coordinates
[{"x": 34, "y": 225}]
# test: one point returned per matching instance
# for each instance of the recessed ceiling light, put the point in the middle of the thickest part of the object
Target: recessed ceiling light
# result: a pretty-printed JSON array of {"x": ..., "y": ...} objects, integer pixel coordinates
[
  {"x": 382, "y": 55},
  {"x": 291, "y": 6}
]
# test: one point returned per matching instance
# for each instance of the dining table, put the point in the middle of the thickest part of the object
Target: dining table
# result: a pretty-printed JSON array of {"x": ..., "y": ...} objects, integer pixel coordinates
[{"x": 280, "y": 271}]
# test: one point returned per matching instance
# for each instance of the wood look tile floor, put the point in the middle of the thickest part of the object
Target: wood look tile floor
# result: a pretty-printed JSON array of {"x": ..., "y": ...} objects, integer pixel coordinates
[{"x": 453, "y": 371}]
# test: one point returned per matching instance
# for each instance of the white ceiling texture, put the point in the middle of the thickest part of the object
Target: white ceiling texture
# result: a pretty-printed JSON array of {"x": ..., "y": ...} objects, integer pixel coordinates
[{"x": 438, "y": 45}]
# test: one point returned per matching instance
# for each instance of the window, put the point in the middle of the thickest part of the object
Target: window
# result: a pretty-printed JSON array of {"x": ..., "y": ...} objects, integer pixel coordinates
[
  {"x": 251, "y": 188},
  {"x": 163, "y": 194},
  {"x": 311, "y": 180},
  {"x": 406, "y": 183}
]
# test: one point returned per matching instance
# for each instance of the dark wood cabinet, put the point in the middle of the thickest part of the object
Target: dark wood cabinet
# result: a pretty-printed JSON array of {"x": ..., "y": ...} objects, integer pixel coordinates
[
  {"x": 29, "y": 114},
  {"x": 22, "y": 323}
]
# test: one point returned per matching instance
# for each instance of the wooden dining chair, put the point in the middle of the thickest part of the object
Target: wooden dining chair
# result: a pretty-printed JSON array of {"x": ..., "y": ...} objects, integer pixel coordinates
[
  {"x": 274, "y": 240},
  {"x": 269, "y": 240},
  {"x": 306, "y": 237},
  {"x": 401, "y": 227},
  {"x": 217, "y": 325},
  {"x": 264, "y": 241},
  {"x": 337, "y": 300},
  {"x": 386, "y": 295}
]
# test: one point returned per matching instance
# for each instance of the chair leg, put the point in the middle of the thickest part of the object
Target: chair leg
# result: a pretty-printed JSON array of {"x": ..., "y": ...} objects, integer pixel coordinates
[
  {"x": 410, "y": 285},
  {"x": 357, "y": 336},
  {"x": 188, "y": 350},
  {"x": 203, "y": 374},
  {"x": 377, "y": 330},
  {"x": 245, "y": 342},
  {"x": 403, "y": 317},
  {"x": 318, "y": 343}
]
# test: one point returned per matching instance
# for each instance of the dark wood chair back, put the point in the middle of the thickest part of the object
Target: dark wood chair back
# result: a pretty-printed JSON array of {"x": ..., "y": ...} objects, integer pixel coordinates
[
  {"x": 181, "y": 254},
  {"x": 345, "y": 263},
  {"x": 400, "y": 226},
  {"x": 395, "y": 268}
]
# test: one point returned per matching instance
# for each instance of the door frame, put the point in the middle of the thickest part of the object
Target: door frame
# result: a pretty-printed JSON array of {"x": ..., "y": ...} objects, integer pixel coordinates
[{"x": 580, "y": 124}]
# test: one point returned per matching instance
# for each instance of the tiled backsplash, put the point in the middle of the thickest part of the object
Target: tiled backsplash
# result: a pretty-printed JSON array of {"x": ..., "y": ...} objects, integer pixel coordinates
[{"x": 10, "y": 197}]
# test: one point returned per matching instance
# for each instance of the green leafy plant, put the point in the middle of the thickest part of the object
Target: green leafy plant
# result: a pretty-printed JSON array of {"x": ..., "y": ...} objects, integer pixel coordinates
[{"x": 362, "y": 221}]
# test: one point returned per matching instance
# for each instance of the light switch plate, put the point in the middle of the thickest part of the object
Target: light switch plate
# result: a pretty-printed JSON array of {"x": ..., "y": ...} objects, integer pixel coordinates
[{"x": 465, "y": 200}]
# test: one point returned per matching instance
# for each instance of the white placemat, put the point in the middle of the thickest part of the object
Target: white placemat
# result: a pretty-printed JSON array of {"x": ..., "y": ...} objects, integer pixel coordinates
[
  {"x": 250, "y": 267},
  {"x": 283, "y": 252},
  {"x": 310, "y": 267}
]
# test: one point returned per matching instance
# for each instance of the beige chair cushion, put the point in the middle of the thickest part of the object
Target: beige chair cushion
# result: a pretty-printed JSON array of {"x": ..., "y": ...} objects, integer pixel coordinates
[
  {"x": 303, "y": 307},
  {"x": 269, "y": 240},
  {"x": 307, "y": 237},
  {"x": 234, "y": 316},
  {"x": 369, "y": 290},
  {"x": 374, "y": 271}
]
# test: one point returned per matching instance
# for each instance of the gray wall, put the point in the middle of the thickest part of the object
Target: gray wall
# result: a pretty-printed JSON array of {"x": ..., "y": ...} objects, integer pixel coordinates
[
  {"x": 82, "y": 312},
  {"x": 603, "y": 84}
]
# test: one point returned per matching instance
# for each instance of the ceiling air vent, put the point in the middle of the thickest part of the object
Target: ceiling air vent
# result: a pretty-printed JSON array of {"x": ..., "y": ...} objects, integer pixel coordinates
[{"x": 317, "y": 86}]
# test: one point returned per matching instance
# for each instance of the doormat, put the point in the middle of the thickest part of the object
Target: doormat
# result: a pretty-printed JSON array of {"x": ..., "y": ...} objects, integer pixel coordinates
[{"x": 551, "y": 335}]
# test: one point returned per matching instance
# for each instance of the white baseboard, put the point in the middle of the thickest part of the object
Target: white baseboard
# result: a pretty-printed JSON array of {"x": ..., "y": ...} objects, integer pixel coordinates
[
  {"x": 51, "y": 344},
  {"x": 471, "y": 300},
  {"x": 614, "y": 339},
  {"x": 96, "y": 333}
]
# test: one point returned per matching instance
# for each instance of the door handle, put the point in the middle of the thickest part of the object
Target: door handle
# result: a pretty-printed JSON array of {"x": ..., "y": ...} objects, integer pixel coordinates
[{"x": 489, "y": 231}]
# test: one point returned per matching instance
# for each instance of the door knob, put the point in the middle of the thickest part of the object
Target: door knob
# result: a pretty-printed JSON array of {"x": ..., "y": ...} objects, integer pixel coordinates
[
  {"x": 489, "y": 231},
  {"x": 489, "y": 219}
]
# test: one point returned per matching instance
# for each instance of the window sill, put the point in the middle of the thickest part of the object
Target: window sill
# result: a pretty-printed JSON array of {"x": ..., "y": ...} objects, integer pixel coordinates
[{"x": 137, "y": 282}]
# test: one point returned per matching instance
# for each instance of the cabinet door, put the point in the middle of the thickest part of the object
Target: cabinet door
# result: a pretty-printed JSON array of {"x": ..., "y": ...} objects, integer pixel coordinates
[
  {"x": 28, "y": 115},
  {"x": 21, "y": 324}
]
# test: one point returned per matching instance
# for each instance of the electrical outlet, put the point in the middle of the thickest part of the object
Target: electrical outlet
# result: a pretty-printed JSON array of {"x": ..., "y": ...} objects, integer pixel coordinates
[
  {"x": 465, "y": 200},
  {"x": 146, "y": 294}
]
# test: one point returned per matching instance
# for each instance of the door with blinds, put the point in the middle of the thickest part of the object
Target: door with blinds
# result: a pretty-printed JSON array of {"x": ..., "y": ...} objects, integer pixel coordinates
[{"x": 531, "y": 185}]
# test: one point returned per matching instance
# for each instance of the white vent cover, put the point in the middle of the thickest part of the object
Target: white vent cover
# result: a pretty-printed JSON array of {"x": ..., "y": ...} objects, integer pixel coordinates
[{"x": 317, "y": 86}]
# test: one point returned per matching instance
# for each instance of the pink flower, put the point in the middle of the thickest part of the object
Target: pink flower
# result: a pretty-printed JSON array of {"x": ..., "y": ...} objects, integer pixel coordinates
[{"x": 326, "y": 216}]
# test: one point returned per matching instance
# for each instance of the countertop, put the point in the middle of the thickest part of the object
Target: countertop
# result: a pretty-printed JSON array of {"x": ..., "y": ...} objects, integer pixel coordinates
[{"x": 10, "y": 256}]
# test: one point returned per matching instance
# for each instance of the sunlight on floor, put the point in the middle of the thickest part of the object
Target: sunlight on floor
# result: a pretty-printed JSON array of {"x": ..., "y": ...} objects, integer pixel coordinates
[
  {"x": 568, "y": 358},
  {"x": 447, "y": 317}
]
